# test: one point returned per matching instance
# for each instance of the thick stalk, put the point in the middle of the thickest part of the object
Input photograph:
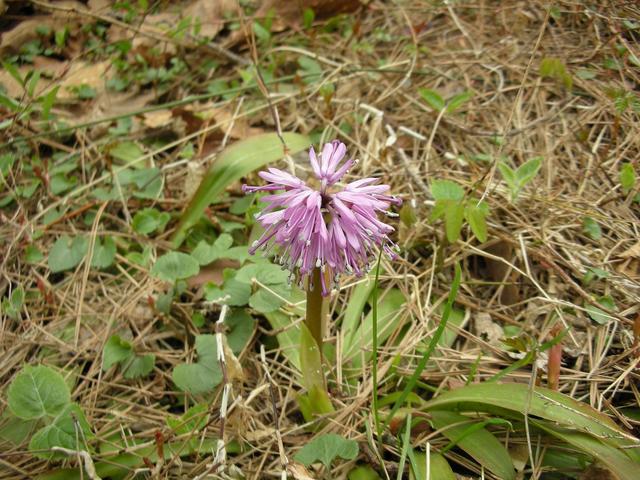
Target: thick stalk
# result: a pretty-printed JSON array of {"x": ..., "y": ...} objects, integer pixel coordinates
[{"x": 316, "y": 309}]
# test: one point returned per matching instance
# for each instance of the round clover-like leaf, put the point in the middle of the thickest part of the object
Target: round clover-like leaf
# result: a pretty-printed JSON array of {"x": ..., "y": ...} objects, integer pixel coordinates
[
  {"x": 174, "y": 266},
  {"x": 37, "y": 392}
]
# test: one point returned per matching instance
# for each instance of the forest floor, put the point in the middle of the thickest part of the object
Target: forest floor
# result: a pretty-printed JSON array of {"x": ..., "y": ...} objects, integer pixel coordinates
[{"x": 517, "y": 123}]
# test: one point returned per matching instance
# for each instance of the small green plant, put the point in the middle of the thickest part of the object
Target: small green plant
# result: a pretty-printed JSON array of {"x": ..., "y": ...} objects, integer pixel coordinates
[
  {"x": 627, "y": 177},
  {"x": 119, "y": 351},
  {"x": 438, "y": 103},
  {"x": 325, "y": 449},
  {"x": 12, "y": 306},
  {"x": 517, "y": 179},
  {"x": 455, "y": 207},
  {"x": 39, "y": 397},
  {"x": 554, "y": 68}
]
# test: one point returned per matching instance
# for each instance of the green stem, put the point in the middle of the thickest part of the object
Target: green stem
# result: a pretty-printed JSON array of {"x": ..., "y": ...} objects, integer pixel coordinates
[{"x": 316, "y": 309}]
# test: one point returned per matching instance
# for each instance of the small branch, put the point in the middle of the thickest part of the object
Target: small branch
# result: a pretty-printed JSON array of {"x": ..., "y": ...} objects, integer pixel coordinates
[{"x": 86, "y": 460}]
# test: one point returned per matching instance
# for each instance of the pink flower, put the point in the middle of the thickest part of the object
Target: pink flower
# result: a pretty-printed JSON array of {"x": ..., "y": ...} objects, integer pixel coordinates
[{"x": 323, "y": 227}]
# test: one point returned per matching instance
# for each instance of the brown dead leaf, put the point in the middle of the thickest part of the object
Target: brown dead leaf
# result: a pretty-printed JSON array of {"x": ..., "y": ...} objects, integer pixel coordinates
[
  {"x": 212, "y": 273},
  {"x": 157, "y": 119},
  {"x": 299, "y": 471},
  {"x": 11, "y": 86},
  {"x": 630, "y": 265},
  {"x": 98, "y": 6},
  {"x": 289, "y": 13},
  {"x": 234, "y": 368},
  {"x": 634, "y": 251},
  {"x": 259, "y": 434},
  {"x": 211, "y": 15},
  {"x": 27, "y": 30},
  {"x": 597, "y": 472},
  {"x": 488, "y": 329},
  {"x": 81, "y": 73},
  {"x": 50, "y": 67}
]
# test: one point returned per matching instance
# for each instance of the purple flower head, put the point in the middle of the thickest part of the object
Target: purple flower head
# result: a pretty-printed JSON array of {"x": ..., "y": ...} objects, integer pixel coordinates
[{"x": 327, "y": 228}]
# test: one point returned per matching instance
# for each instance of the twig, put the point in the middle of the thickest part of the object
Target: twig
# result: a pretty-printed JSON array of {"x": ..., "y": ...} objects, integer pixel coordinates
[{"x": 86, "y": 460}]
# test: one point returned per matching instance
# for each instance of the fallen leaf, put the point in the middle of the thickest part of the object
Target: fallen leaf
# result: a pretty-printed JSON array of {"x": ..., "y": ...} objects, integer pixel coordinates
[
  {"x": 212, "y": 273},
  {"x": 157, "y": 119},
  {"x": 488, "y": 329},
  {"x": 211, "y": 15},
  {"x": 93, "y": 75},
  {"x": 299, "y": 472},
  {"x": 234, "y": 369},
  {"x": 290, "y": 13},
  {"x": 630, "y": 265}
]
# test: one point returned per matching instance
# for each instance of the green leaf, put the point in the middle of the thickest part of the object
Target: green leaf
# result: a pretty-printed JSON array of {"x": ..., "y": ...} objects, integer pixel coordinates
[
  {"x": 288, "y": 338},
  {"x": 408, "y": 215},
  {"x": 67, "y": 253},
  {"x": 32, "y": 254},
  {"x": 439, "y": 467},
  {"x": 204, "y": 375},
  {"x": 206, "y": 253},
  {"x": 555, "y": 68},
  {"x": 308, "y": 15},
  {"x": 37, "y": 392},
  {"x": 233, "y": 292},
  {"x": 14, "y": 72},
  {"x": 61, "y": 183},
  {"x": 528, "y": 170},
  {"x": 265, "y": 273},
  {"x": 148, "y": 220},
  {"x": 443, "y": 190},
  {"x": 240, "y": 329},
  {"x": 104, "y": 252},
  {"x": 12, "y": 306},
  {"x": 192, "y": 421},
  {"x": 139, "y": 366},
  {"x": 481, "y": 444},
  {"x": 598, "y": 315},
  {"x": 627, "y": 177},
  {"x": 591, "y": 228},
  {"x": 116, "y": 350},
  {"x": 390, "y": 308},
  {"x": 126, "y": 152},
  {"x": 509, "y": 176},
  {"x": 476, "y": 216},
  {"x": 15, "y": 430},
  {"x": 326, "y": 448},
  {"x": 433, "y": 98},
  {"x": 265, "y": 301},
  {"x": 310, "y": 360},
  {"x": 458, "y": 100},
  {"x": 174, "y": 266},
  {"x": 541, "y": 402},
  {"x": 615, "y": 459},
  {"x": 235, "y": 162},
  {"x": 69, "y": 430},
  {"x": 48, "y": 101},
  {"x": 453, "y": 217}
]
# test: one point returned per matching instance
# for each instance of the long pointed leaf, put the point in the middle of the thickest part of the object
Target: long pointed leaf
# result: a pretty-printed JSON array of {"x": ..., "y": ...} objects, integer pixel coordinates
[
  {"x": 235, "y": 162},
  {"x": 543, "y": 403},
  {"x": 481, "y": 444}
]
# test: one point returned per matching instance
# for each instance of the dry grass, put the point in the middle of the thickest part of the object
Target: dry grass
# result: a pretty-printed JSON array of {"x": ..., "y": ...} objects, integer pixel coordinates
[{"x": 528, "y": 274}]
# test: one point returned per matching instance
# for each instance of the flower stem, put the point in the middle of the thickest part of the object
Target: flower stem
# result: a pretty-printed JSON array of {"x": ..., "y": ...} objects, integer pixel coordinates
[{"x": 316, "y": 308}]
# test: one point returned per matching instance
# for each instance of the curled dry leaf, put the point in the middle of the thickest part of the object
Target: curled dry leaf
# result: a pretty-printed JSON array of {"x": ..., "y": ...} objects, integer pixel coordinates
[
  {"x": 299, "y": 471},
  {"x": 488, "y": 329},
  {"x": 630, "y": 265}
]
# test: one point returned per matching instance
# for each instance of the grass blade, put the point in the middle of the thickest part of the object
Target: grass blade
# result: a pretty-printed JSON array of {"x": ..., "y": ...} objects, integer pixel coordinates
[
  {"x": 235, "y": 162},
  {"x": 432, "y": 346}
]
